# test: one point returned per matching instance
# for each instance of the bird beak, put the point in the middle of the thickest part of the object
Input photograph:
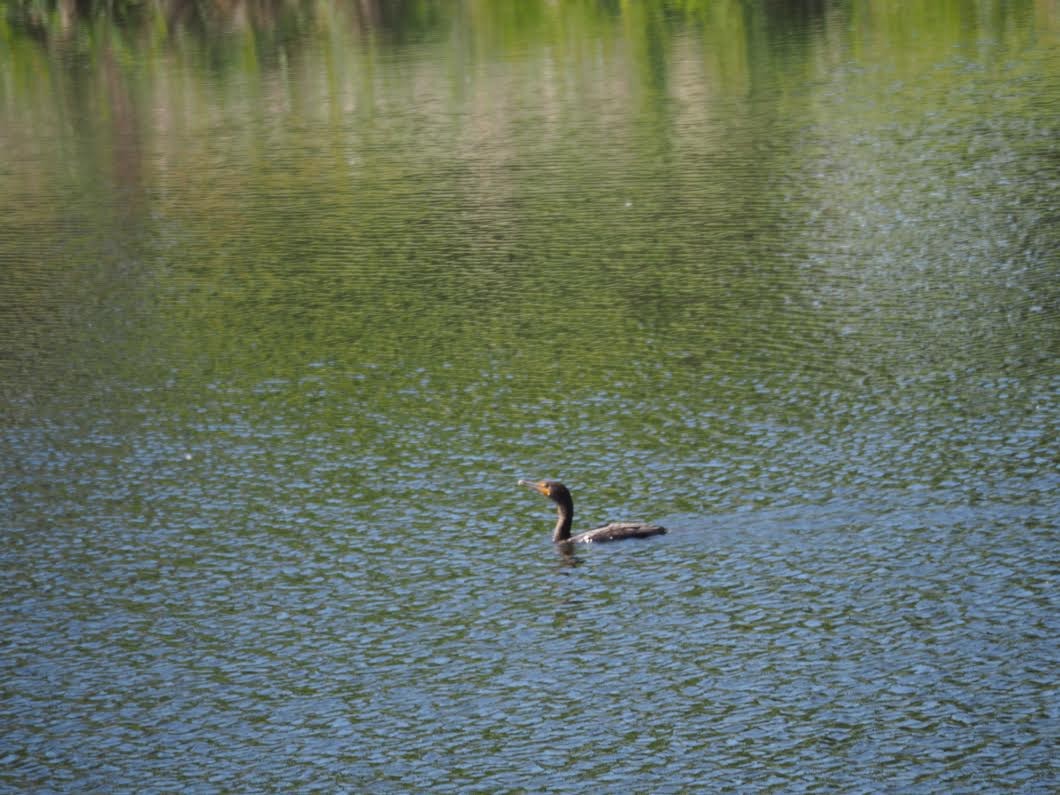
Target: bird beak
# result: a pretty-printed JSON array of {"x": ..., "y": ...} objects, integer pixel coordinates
[{"x": 535, "y": 485}]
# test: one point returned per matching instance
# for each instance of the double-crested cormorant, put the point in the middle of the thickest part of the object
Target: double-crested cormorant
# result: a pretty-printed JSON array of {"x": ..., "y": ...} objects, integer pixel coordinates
[{"x": 615, "y": 531}]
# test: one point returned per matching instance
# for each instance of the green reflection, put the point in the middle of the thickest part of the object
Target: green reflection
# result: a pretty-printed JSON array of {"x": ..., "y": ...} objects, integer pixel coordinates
[{"x": 579, "y": 195}]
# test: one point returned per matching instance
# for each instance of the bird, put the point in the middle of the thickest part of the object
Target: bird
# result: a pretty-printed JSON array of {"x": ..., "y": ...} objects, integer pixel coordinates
[{"x": 615, "y": 531}]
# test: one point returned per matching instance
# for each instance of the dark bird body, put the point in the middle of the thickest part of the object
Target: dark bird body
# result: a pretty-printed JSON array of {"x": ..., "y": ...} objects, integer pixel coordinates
[{"x": 616, "y": 531}]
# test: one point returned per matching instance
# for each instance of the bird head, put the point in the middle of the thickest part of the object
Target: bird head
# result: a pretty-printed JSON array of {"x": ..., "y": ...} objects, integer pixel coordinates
[{"x": 552, "y": 489}]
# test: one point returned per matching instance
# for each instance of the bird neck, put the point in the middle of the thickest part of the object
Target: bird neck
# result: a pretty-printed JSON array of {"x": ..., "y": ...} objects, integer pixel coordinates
[{"x": 564, "y": 517}]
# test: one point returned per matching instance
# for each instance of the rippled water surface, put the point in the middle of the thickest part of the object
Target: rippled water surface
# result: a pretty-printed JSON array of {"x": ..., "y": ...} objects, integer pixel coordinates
[{"x": 290, "y": 297}]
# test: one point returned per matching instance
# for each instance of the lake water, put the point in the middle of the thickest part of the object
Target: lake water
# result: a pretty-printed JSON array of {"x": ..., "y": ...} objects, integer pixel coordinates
[{"x": 291, "y": 295}]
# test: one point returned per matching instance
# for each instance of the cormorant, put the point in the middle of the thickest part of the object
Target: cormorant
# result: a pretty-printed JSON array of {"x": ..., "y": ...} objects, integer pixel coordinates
[{"x": 615, "y": 531}]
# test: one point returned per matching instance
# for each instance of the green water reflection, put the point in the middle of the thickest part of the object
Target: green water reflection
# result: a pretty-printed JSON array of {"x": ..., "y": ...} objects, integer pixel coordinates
[
  {"x": 483, "y": 181},
  {"x": 283, "y": 285}
]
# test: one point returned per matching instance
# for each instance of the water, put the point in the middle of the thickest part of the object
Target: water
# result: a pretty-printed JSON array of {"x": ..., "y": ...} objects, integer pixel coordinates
[{"x": 290, "y": 300}]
